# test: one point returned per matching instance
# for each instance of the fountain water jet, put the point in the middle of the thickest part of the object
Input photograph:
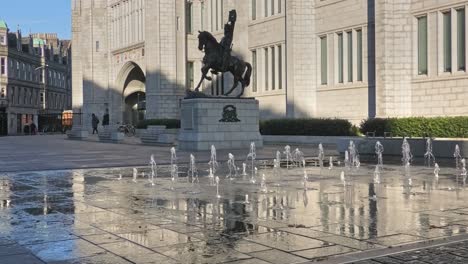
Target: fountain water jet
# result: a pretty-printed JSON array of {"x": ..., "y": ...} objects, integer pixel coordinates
[
  {"x": 321, "y": 155},
  {"x": 287, "y": 153},
  {"x": 330, "y": 163},
  {"x": 343, "y": 178},
  {"x": 135, "y": 174},
  {"x": 306, "y": 179},
  {"x": 457, "y": 156},
  {"x": 263, "y": 186},
  {"x": 429, "y": 156},
  {"x": 252, "y": 155},
  {"x": 377, "y": 175},
  {"x": 192, "y": 174},
  {"x": 436, "y": 170},
  {"x": 232, "y": 166},
  {"x": 407, "y": 157},
  {"x": 213, "y": 160},
  {"x": 217, "y": 187},
  {"x": 298, "y": 158},
  {"x": 154, "y": 172},
  {"x": 379, "y": 149}
]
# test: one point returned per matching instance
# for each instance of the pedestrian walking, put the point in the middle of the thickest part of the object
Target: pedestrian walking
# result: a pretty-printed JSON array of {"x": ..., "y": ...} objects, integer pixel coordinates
[{"x": 95, "y": 122}]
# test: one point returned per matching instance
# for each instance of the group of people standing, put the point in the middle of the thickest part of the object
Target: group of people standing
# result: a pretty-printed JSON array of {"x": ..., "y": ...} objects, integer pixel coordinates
[{"x": 95, "y": 121}]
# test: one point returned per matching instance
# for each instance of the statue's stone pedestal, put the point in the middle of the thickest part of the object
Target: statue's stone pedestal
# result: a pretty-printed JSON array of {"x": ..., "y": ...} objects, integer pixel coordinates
[
  {"x": 111, "y": 134},
  {"x": 77, "y": 133},
  {"x": 226, "y": 123}
]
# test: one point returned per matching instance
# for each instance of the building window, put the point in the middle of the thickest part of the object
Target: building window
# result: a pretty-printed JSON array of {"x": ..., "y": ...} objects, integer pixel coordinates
[
  {"x": 340, "y": 58},
  {"x": 267, "y": 68},
  {"x": 349, "y": 36},
  {"x": 422, "y": 45},
  {"x": 254, "y": 71},
  {"x": 3, "y": 93},
  {"x": 273, "y": 73},
  {"x": 254, "y": 9},
  {"x": 3, "y": 40},
  {"x": 189, "y": 17},
  {"x": 41, "y": 95},
  {"x": 280, "y": 6},
  {"x": 266, "y": 8},
  {"x": 359, "y": 55},
  {"x": 280, "y": 67},
  {"x": 202, "y": 17},
  {"x": 217, "y": 14},
  {"x": 97, "y": 46},
  {"x": 447, "y": 41},
  {"x": 190, "y": 77},
  {"x": 3, "y": 66},
  {"x": 323, "y": 60},
  {"x": 272, "y": 7},
  {"x": 461, "y": 49}
]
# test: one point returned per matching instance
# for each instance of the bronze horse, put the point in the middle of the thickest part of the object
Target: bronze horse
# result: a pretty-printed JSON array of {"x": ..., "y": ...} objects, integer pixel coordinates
[{"x": 219, "y": 60}]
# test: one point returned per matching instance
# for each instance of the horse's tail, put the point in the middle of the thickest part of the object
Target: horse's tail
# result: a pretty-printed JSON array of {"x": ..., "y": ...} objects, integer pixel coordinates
[{"x": 248, "y": 74}]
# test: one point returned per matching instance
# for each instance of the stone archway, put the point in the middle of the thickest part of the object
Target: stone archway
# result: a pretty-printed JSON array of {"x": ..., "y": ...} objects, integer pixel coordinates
[{"x": 132, "y": 81}]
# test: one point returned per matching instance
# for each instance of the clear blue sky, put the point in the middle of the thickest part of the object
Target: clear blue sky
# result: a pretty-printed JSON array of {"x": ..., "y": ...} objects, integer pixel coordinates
[{"x": 50, "y": 16}]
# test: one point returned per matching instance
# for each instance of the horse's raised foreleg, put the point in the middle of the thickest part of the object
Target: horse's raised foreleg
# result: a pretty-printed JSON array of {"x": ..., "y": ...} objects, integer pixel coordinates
[
  {"x": 204, "y": 71},
  {"x": 236, "y": 82}
]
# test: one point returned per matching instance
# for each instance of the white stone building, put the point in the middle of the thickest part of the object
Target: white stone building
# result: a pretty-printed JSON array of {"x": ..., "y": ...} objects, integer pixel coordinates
[
  {"x": 350, "y": 59},
  {"x": 35, "y": 79}
]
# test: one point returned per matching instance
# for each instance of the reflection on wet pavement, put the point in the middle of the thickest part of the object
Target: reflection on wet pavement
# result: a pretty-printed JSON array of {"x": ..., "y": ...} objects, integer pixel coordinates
[{"x": 89, "y": 216}]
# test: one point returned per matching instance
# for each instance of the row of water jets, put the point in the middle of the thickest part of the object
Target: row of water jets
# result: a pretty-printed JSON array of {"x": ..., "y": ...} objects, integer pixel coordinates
[{"x": 295, "y": 159}]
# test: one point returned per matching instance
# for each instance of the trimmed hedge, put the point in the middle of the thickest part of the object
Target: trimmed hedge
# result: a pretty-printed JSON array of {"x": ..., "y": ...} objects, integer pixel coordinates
[
  {"x": 308, "y": 127},
  {"x": 447, "y": 127},
  {"x": 169, "y": 123}
]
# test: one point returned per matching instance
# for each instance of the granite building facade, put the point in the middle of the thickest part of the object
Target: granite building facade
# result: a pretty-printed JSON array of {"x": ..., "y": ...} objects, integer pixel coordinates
[
  {"x": 349, "y": 59},
  {"x": 34, "y": 78}
]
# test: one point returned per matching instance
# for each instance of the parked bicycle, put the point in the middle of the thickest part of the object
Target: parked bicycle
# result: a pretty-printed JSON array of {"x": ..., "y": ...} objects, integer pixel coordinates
[{"x": 127, "y": 129}]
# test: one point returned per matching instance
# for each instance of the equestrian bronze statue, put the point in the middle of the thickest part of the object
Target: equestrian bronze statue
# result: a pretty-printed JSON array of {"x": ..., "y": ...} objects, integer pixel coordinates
[{"x": 218, "y": 57}]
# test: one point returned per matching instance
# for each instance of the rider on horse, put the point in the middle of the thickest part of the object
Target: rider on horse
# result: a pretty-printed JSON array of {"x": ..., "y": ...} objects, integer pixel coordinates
[{"x": 226, "y": 41}]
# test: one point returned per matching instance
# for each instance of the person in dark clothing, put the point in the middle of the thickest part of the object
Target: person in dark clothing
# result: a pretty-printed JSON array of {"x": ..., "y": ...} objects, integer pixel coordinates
[
  {"x": 33, "y": 129},
  {"x": 105, "y": 118},
  {"x": 95, "y": 122}
]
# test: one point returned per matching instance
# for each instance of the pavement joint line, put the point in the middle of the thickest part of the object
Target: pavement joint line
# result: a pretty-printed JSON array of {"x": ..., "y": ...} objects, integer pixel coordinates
[{"x": 389, "y": 251}]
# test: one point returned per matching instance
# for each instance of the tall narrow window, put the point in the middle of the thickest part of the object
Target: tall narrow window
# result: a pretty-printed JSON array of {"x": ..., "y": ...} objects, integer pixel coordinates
[
  {"x": 221, "y": 15},
  {"x": 280, "y": 3},
  {"x": 350, "y": 55},
  {"x": 461, "y": 49},
  {"x": 254, "y": 9},
  {"x": 272, "y": 7},
  {"x": 202, "y": 17},
  {"x": 273, "y": 73},
  {"x": 422, "y": 45},
  {"x": 254, "y": 71},
  {"x": 359, "y": 54},
  {"x": 323, "y": 60},
  {"x": 267, "y": 68},
  {"x": 190, "y": 77},
  {"x": 97, "y": 46},
  {"x": 447, "y": 35},
  {"x": 189, "y": 17},
  {"x": 2, "y": 66},
  {"x": 217, "y": 14},
  {"x": 340, "y": 58},
  {"x": 280, "y": 67},
  {"x": 265, "y": 7}
]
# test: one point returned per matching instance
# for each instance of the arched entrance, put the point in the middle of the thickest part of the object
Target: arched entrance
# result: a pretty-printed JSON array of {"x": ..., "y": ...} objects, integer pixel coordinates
[{"x": 134, "y": 94}]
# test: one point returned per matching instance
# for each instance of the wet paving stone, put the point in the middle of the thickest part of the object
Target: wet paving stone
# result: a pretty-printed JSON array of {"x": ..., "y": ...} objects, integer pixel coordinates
[
  {"x": 323, "y": 253},
  {"x": 202, "y": 252},
  {"x": 106, "y": 258},
  {"x": 88, "y": 216},
  {"x": 12, "y": 249},
  {"x": 136, "y": 253},
  {"x": 395, "y": 240},
  {"x": 65, "y": 250},
  {"x": 20, "y": 259},
  {"x": 278, "y": 257},
  {"x": 286, "y": 241}
]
